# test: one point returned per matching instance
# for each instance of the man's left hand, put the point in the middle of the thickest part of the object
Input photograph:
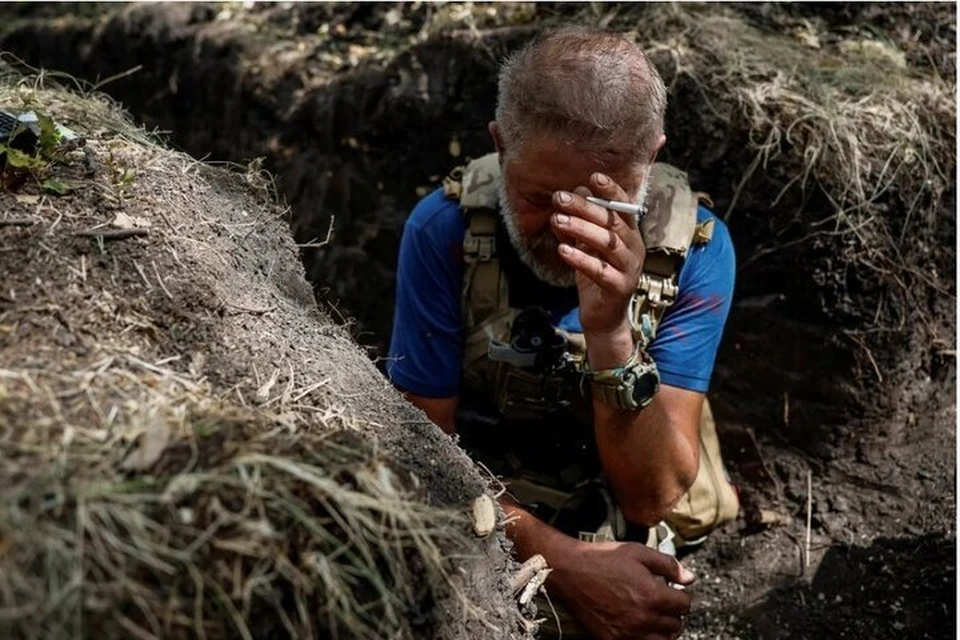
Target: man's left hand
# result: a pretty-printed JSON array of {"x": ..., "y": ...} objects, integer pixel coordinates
[{"x": 605, "y": 248}]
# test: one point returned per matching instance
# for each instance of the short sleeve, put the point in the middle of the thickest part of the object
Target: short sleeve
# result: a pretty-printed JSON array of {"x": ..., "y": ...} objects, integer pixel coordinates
[
  {"x": 426, "y": 345},
  {"x": 688, "y": 338}
]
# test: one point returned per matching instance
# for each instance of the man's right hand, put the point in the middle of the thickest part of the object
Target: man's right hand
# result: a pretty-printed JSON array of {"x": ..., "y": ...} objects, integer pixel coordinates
[{"x": 619, "y": 590}]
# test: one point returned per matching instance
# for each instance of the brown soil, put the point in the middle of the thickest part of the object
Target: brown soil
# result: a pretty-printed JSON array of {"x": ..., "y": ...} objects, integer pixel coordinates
[
  {"x": 107, "y": 342},
  {"x": 839, "y": 357}
]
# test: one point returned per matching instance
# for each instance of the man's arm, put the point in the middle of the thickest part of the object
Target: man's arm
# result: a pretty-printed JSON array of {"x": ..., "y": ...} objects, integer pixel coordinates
[
  {"x": 441, "y": 411},
  {"x": 615, "y": 589},
  {"x": 426, "y": 344},
  {"x": 530, "y": 536},
  {"x": 651, "y": 457}
]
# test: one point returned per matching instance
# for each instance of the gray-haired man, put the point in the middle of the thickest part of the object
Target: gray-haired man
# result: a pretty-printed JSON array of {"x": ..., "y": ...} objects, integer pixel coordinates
[{"x": 519, "y": 299}]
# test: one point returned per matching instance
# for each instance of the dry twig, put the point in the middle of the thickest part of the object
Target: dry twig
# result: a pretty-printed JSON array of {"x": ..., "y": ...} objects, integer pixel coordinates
[
  {"x": 112, "y": 234},
  {"x": 18, "y": 222}
]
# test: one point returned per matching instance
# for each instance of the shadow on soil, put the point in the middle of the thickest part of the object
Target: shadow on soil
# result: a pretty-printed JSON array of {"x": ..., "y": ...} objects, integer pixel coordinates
[{"x": 895, "y": 588}]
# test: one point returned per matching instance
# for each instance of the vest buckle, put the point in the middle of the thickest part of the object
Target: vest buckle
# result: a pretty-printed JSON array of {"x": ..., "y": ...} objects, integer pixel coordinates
[
  {"x": 486, "y": 247},
  {"x": 660, "y": 292},
  {"x": 479, "y": 248}
]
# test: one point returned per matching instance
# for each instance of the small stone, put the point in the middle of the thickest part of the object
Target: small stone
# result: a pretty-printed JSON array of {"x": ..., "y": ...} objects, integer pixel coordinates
[
  {"x": 455, "y": 147},
  {"x": 840, "y": 504},
  {"x": 484, "y": 516}
]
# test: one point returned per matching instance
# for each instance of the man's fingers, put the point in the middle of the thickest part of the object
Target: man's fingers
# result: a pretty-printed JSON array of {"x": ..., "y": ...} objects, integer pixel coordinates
[
  {"x": 605, "y": 242},
  {"x": 669, "y": 626},
  {"x": 583, "y": 192},
  {"x": 674, "y": 602},
  {"x": 575, "y": 204},
  {"x": 605, "y": 275},
  {"x": 669, "y": 567},
  {"x": 604, "y": 187}
]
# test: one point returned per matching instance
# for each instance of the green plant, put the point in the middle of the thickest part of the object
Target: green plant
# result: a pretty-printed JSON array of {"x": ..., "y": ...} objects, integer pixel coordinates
[
  {"x": 122, "y": 178},
  {"x": 18, "y": 165}
]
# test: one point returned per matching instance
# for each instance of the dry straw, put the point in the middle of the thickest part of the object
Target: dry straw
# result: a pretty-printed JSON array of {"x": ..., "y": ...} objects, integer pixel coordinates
[
  {"x": 847, "y": 117},
  {"x": 857, "y": 118}
]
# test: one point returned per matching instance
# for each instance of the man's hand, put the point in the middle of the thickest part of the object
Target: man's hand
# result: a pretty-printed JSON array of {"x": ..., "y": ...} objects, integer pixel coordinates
[
  {"x": 607, "y": 251},
  {"x": 616, "y": 590},
  {"x": 619, "y": 590}
]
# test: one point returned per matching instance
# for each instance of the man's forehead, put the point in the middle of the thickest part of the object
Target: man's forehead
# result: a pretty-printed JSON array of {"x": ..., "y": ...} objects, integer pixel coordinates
[{"x": 546, "y": 164}]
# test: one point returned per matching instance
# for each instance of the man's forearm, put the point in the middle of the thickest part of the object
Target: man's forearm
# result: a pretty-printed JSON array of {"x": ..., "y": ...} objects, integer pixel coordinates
[
  {"x": 647, "y": 455},
  {"x": 531, "y": 536},
  {"x": 647, "y": 459}
]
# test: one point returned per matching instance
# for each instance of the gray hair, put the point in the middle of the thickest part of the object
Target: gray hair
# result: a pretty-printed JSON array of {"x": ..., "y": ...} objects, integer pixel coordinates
[{"x": 595, "y": 88}]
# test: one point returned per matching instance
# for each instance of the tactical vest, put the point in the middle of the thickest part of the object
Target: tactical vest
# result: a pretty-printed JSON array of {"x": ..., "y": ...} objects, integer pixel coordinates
[
  {"x": 669, "y": 229},
  {"x": 542, "y": 414}
]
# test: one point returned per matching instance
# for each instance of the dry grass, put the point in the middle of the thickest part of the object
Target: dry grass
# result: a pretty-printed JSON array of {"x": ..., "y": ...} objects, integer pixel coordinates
[
  {"x": 846, "y": 118},
  {"x": 172, "y": 512},
  {"x": 146, "y": 494},
  {"x": 75, "y": 102},
  {"x": 854, "y": 115}
]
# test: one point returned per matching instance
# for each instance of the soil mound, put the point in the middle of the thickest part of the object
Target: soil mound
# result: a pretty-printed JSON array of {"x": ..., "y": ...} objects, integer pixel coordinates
[{"x": 189, "y": 447}]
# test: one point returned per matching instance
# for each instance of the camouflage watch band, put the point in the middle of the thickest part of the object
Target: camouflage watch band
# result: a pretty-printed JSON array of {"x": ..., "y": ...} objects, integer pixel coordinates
[{"x": 630, "y": 387}]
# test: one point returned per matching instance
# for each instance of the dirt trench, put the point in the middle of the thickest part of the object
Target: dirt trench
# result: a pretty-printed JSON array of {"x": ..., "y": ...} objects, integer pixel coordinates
[
  {"x": 841, "y": 370},
  {"x": 357, "y": 126}
]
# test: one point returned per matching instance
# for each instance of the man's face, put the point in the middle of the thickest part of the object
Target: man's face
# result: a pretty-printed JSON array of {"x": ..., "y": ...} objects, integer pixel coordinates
[{"x": 531, "y": 175}]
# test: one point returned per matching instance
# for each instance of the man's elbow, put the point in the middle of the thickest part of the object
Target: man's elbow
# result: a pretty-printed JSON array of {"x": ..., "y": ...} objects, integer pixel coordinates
[{"x": 665, "y": 496}]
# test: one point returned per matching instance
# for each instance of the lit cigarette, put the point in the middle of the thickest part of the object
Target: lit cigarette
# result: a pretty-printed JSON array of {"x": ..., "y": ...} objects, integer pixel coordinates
[{"x": 623, "y": 207}]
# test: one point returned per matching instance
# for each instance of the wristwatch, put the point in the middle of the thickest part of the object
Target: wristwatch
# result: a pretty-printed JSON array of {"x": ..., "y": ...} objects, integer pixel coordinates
[{"x": 630, "y": 387}]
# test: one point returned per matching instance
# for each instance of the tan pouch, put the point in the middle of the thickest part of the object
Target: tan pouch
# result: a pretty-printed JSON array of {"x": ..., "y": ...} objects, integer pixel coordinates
[{"x": 711, "y": 500}]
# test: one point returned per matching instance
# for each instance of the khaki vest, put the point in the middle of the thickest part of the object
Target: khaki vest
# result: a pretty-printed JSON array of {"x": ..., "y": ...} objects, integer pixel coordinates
[{"x": 669, "y": 229}]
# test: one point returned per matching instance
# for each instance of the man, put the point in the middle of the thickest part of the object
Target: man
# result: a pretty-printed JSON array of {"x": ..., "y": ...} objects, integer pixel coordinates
[{"x": 579, "y": 113}]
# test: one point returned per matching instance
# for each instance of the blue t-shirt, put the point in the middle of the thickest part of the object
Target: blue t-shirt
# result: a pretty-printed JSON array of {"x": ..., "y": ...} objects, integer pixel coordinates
[{"x": 426, "y": 346}]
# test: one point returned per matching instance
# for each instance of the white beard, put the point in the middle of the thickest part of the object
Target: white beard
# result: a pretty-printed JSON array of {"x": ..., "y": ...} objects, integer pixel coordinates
[
  {"x": 560, "y": 275},
  {"x": 643, "y": 194}
]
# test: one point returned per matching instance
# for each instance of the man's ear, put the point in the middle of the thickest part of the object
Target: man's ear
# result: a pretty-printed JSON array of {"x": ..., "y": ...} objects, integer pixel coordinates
[
  {"x": 657, "y": 147},
  {"x": 494, "y": 130}
]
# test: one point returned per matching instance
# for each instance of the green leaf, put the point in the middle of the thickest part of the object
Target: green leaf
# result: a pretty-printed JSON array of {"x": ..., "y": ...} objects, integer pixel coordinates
[
  {"x": 56, "y": 186},
  {"x": 49, "y": 136},
  {"x": 204, "y": 430},
  {"x": 128, "y": 178},
  {"x": 20, "y": 160}
]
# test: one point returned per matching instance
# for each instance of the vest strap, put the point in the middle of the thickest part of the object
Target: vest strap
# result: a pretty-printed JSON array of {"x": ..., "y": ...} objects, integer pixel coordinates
[{"x": 484, "y": 285}]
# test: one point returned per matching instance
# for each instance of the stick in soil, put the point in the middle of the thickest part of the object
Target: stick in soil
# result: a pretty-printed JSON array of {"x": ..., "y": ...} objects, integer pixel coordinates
[
  {"x": 111, "y": 234},
  {"x": 806, "y": 555},
  {"x": 18, "y": 222},
  {"x": 534, "y": 586},
  {"x": 526, "y": 572}
]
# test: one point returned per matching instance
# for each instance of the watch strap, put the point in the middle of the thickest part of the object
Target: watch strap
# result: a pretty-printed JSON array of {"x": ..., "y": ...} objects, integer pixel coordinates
[{"x": 616, "y": 387}]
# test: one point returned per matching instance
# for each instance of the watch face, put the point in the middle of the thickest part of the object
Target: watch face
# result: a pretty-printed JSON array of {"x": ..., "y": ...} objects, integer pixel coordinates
[{"x": 644, "y": 387}]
